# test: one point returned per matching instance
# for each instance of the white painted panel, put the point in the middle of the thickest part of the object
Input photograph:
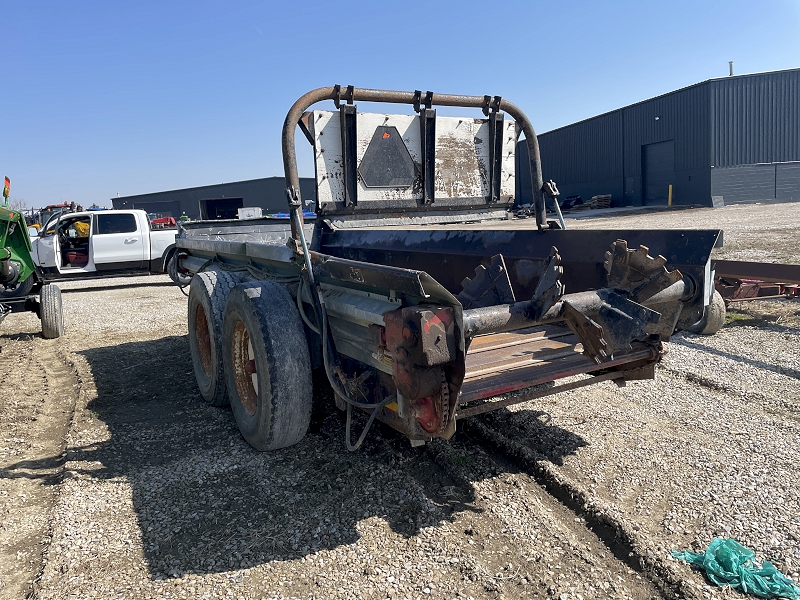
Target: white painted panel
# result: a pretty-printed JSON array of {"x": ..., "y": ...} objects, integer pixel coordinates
[{"x": 462, "y": 156}]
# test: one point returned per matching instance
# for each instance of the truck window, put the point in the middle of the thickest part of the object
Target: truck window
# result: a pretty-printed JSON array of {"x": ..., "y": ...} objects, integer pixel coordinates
[{"x": 125, "y": 223}]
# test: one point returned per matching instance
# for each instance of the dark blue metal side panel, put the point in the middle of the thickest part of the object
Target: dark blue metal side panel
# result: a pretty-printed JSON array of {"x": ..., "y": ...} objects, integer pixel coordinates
[
  {"x": 755, "y": 119},
  {"x": 603, "y": 155},
  {"x": 683, "y": 117}
]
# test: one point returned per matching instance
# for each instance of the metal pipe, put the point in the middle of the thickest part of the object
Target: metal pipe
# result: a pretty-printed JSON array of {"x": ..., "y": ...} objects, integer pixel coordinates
[
  {"x": 193, "y": 263},
  {"x": 680, "y": 291},
  {"x": 509, "y": 317},
  {"x": 352, "y": 94}
]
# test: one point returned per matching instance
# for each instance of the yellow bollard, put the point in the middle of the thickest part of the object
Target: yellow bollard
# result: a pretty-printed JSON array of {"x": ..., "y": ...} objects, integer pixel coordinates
[{"x": 669, "y": 197}]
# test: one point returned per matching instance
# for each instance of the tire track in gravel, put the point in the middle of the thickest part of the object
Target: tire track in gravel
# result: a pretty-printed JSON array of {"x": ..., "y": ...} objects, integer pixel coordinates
[
  {"x": 590, "y": 550},
  {"x": 39, "y": 394}
]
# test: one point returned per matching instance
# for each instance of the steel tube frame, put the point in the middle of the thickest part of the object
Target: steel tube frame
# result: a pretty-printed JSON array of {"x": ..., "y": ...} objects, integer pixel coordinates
[
  {"x": 509, "y": 317},
  {"x": 352, "y": 94},
  {"x": 773, "y": 272}
]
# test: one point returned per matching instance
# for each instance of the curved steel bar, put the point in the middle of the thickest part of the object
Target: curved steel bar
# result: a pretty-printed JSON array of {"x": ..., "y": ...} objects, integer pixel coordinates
[{"x": 368, "y": 95}]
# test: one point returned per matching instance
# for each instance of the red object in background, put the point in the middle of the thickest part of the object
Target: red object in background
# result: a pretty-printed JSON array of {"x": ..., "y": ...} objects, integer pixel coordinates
[
  {"x": 77, "y": 258},
  {"x": 164, "y": 223}
]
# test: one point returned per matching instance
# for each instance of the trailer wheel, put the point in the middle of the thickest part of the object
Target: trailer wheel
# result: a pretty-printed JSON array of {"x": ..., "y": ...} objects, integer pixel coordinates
[
  {"x": 208, "y": 293},
  {"x": 50, "y": 312},
  {"x": 23, "y": 288},
  {"x": 714, "y": 317},
  {"x": 182, "y": 279},
  {"x": 267, "y": 365}
]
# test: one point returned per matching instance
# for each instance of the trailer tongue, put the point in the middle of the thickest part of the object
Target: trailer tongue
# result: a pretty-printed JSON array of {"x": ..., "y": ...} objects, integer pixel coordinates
[{"x": 414, "y": 317}]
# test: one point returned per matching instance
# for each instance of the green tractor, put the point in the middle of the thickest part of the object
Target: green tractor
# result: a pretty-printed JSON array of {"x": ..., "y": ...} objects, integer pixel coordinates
[{"x": 21, "y": 288}]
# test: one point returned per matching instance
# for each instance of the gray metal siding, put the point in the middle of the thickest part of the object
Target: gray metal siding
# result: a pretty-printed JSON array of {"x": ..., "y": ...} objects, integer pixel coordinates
[
  {"x": 603, "y": 155},
  {"x": 751, "y": 183},
  {"x": 787, "y": 181},
  {"x": 590, "y": 152},
  {"x": 268, "y": 193},
  {"x": 755, "y": 119},
  {"x": 745, "y": 183},
  {"x": 585, "y": 159},
  {"x": 682, "y": 117}
]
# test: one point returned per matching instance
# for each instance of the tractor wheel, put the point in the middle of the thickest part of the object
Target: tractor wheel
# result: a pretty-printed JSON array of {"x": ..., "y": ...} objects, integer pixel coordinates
[
  {"x": 50, "y": 311},
  {"x": 208, "y": 293},
  {"x": 23, "y": 289},
  {"x": 267, "y": 365}
]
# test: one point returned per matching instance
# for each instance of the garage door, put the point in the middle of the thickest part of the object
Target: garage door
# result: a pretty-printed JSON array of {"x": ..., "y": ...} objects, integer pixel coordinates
[{"x": 658, "y": 171}]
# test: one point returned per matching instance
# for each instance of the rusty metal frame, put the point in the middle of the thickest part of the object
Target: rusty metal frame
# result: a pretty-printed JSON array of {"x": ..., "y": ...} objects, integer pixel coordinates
[
  {"x": 354, "y": 94},
  {"x": 488, "y": 406},
  {"x": 774, "y": 272}
]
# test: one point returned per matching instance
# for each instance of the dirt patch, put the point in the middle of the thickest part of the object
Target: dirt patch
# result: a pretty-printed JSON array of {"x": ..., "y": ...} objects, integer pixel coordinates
[{"x": 39, "y": 394}]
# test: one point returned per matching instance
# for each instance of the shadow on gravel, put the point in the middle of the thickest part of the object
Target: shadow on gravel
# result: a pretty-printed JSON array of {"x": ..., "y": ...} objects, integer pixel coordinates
[
  {"x": 533, "y": 426},
  {"x": 24, "y": 336},
  {"x": 119, "y": 286},
  {"x": 207, "y": 502}
]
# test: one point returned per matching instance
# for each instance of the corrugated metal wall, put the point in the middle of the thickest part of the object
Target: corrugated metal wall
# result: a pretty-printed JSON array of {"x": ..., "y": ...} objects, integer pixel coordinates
[
  {"x": 585, "y": 157},
  {"x": 717, "y": 127},
  {"x": 755, "y": 119},
  {"x": 268, "y": 193},
  {"x": 588, "y": 151},
  {"x": 603, "y": 155},
  {"x": 681, "y": 116}
]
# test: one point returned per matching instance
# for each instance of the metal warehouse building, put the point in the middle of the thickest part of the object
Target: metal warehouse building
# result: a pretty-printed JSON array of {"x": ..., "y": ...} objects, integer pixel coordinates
[
  {"x": 735, "y": 139},
  {"x": 219, "y": 201}
]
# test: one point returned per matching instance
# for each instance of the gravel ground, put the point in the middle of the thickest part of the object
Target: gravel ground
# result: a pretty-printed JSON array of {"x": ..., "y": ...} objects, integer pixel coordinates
[{"x": 581, "y": 495}]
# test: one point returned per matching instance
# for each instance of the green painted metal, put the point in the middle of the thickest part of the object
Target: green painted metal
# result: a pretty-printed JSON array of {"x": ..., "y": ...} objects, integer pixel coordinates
[{"x": 14, "y": 237}]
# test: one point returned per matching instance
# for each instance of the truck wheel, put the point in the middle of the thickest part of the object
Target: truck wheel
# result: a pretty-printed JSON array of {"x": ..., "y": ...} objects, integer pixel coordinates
[
  {"x": 267, "y": 365},
  {"x": 208, "y": 293},
  {"x": 714, "y": 317},
  {"x": 50, "y": 311},
  {"x": 182, "y": 279},
  {"x": 23, "y": 289}
]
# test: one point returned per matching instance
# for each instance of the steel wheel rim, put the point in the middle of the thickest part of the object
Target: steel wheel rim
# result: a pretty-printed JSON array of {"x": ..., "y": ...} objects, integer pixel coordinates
[{"x": 244, "y": 368}]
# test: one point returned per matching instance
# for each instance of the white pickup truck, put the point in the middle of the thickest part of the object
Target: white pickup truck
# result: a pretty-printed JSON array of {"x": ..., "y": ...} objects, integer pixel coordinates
[{"x": 92, "y": 244}]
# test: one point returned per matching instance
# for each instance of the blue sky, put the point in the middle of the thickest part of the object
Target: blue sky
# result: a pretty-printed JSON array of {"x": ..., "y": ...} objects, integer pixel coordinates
[{"x": 100, "y": 98}]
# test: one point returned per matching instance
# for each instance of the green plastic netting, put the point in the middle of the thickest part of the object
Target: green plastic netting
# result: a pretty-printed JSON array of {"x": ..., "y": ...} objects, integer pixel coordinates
[{"x": 727, "y": 562}]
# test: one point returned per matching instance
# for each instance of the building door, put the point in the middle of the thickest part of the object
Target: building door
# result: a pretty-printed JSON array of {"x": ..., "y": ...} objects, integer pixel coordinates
[
  {"x": 658, "y": 171},
  {"x": 220, "y": 208}
]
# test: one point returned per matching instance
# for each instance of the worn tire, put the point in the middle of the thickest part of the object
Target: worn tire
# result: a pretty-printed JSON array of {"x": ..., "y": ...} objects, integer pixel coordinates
[
  {"x": 23, "y": 288},
  {"x": 182, "y": 279},
  {"x": 714, "y": 317},
  {"x": 267, "y": 365},
  {"x": 51, "y": 312},
  {"x": 208, "y": 293}
]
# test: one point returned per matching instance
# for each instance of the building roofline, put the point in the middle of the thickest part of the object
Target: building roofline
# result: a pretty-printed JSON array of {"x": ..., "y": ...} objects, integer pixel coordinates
[
  {"x": 679, "y": 90},
  {"x": 198, "y": 187}
]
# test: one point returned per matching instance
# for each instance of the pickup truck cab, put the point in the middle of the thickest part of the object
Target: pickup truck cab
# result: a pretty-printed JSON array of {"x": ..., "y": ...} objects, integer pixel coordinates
[{"x": 105, "y": 243}]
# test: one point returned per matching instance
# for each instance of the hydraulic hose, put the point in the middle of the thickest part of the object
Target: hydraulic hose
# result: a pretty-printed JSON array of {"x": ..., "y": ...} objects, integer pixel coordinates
[
  {"x": 302, "y": 311},
  {"x": 340, "y": 391}
]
